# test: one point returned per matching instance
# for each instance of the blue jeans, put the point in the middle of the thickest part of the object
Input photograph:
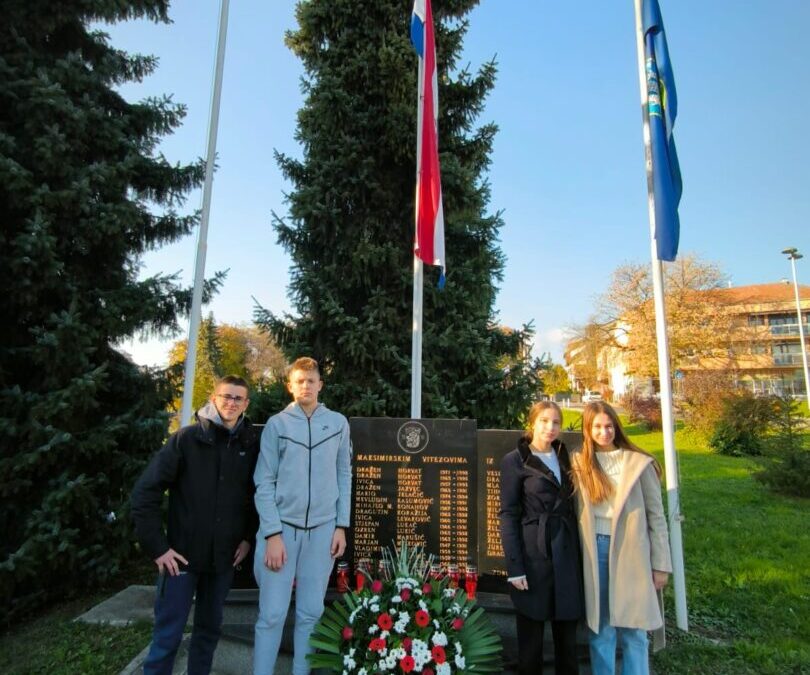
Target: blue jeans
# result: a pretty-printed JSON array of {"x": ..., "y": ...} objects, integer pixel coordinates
[
  {"x": 172, "y": 605},
  {"x": 635, "y": 658}
]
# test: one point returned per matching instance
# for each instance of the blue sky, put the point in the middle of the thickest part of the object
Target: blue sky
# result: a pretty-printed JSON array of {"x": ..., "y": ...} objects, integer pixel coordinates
[{"x": 567, "y": 166}]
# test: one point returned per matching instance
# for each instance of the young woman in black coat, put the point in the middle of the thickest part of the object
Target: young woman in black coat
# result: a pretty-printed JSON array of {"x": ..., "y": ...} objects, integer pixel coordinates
[{"x": 541, "y": 543}]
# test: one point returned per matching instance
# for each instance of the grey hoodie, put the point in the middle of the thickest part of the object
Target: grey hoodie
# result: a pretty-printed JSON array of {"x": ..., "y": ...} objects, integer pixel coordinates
[
  {"x": 303, "y": 476},
  {"x": 209, "y": 412}
]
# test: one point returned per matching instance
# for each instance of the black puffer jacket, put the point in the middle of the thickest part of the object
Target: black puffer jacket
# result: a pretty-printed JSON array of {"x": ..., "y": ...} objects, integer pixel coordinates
[
  {"x": 209, "y": 475},
  {"x": 539, "y": 535}
]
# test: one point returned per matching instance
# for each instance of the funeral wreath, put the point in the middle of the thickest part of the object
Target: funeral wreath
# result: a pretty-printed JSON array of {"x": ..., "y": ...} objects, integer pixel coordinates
[{"x": 406, "y": 623}]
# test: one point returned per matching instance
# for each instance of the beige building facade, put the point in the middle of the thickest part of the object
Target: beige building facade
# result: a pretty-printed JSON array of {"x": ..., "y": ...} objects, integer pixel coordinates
[{"x": 763, "y": 352}]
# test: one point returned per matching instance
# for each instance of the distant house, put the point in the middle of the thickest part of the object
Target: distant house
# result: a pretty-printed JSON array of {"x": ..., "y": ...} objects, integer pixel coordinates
[{"x": 763, "y": 353}]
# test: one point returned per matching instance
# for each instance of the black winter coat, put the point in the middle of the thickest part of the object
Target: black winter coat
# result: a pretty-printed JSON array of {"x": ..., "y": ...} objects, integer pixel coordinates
[
  {"x": 209, "y": 476},
  {"x": 539, "y": 535}
]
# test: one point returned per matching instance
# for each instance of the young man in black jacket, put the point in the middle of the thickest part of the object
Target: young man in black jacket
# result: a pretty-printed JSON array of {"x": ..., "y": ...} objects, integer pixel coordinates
[{"x": 207, "y": 468}]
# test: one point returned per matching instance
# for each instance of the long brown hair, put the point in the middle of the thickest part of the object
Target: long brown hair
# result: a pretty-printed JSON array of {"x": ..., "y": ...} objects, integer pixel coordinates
[{"x": 587, "y": 471}]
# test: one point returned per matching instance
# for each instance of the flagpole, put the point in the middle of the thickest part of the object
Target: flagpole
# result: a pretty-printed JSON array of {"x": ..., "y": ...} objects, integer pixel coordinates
[
  {"x": 418, "y": 266},
  {"x": 202, "y": 236},
  {"x": 416, "y": 345},
  {"x": 670, "y": 456}
]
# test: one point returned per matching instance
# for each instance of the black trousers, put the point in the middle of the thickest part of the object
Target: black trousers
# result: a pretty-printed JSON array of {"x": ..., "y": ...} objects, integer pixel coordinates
[
  {"x": 530, "y": 646},
  {"x": 172, "y": 606}
]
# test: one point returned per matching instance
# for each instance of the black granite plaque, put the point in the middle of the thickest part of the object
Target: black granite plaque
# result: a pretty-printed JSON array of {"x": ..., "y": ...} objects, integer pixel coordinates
[{"x": 414, "y": 481}]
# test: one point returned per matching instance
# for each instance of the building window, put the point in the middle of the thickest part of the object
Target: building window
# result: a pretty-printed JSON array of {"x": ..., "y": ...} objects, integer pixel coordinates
[
  {"x": 756, "y": 319},
  {"x": 787, "y": 353},
  {"x": 781, "y": 319}
]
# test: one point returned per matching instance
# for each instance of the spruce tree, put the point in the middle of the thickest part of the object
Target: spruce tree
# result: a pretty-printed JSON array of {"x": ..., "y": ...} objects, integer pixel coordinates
[
  {"x": 350, "y": 226},
  {"x": 82, "y": 195}
]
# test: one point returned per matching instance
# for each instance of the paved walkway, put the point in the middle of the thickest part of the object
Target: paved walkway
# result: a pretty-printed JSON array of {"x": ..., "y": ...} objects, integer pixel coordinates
[{"x": 234, "y": 654}]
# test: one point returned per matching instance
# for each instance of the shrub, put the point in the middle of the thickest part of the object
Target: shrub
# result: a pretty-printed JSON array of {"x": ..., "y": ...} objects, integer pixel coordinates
[
  {"x": 786, "y": 468},
  {"x": 730, "y": 439},
  {"x": 701, "y": 404},
  {"x": 646, "y": 411},
  {"x": 744, "y": 423}
]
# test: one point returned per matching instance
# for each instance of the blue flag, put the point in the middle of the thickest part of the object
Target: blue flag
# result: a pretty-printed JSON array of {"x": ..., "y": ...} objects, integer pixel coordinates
[{"x": 662, "y": 105}]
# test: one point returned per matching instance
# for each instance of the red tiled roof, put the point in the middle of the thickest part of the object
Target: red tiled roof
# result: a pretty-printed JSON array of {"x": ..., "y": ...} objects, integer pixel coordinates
[{"x": 760, "y": 293}]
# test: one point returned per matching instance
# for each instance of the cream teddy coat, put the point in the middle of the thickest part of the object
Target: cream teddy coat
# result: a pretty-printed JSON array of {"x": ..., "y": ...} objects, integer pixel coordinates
[{"x": 638, "y": 545}]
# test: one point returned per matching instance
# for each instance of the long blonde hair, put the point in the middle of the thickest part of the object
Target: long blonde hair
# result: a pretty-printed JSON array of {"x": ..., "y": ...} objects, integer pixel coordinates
[{"x": 588, "y": 473}]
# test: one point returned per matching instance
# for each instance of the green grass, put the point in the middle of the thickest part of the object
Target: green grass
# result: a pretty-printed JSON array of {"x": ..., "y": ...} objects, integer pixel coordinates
[
  {"x": 747, "y": 561},
  {"x": 52, "y": 643},
  {"x": 571, "y": 418}
]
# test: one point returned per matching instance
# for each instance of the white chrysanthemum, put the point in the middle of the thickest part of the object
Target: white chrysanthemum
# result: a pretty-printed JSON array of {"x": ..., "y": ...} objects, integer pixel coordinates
[
  {"x": 459, "y": 662},
  {"x": 352, "y": 651},
  {"x": 375, "y": 608},
  {"x": 396, "y": 599},
  {"x": 349, "y": 663},
  {"x": 362, "y": 671},
  {"x": 373, "y": 628},
  {"x": 418, "y": 645},
  {"x": 384, "y": 634},
  {"x": 457, "y": 645},
  {"x": 392, "y": 612},
  {"x": 398, "y": 653},
  {"x": 455, "y": 608},
  {"x": 443, "y": 669},
  {"x": 423, "y": 605},
  {"x": 439, "y": 639},
  {"x": 449, "y": 592},
  {"x": 418, "y": 591},
  {"x": 402, "y": 622},
  {"x": 436, "y": 623}
]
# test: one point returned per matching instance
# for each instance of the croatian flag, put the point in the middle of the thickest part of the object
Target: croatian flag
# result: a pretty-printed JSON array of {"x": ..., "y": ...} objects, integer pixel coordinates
[{"x": 429, "y": 242}]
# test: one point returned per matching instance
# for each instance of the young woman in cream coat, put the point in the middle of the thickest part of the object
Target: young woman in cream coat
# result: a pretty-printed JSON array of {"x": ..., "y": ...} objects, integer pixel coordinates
[{"x": 623, "y": 531}]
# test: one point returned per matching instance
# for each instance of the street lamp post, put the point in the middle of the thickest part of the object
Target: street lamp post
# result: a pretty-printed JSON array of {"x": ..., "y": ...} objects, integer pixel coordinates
[{"x": 793, "y": 255}]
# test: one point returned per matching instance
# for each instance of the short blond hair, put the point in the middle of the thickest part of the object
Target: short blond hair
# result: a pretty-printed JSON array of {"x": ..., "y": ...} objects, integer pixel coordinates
[{"x": 304, "y": 363}]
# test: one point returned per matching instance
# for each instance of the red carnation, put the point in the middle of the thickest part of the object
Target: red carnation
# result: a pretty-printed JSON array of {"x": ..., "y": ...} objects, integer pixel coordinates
[
  {"x": 376, "y": 586},
  {"x": 376, "y": 645},
  {"x": 428, "y": 671},
  {"x": 348, "y": 633},
  {"x": 405, "y": 594},
  {"x": 385, "y": 621},
  {"x": 407, "y": 664},
  {"x": 426, "y": 588},
  {"x": 458, "y": 623},
  {"x": 406, "y": 644},
  {"x": 422, "y": 618},
  {"x": 438, "y": 654}
]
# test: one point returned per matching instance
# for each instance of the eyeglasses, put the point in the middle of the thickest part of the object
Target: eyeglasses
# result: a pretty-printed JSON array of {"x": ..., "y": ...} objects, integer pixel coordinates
[{"x": 232, "y": 399}]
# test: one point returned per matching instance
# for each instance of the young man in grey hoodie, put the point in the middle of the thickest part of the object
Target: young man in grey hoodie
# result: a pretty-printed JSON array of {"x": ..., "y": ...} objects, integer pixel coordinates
[
  {"x": 207, "y": 468},
  {"x": 303, "y": 497}
]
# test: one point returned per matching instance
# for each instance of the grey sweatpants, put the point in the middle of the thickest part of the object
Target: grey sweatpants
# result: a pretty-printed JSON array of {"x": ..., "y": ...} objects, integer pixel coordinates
[{"x": 309, "y": 563}]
